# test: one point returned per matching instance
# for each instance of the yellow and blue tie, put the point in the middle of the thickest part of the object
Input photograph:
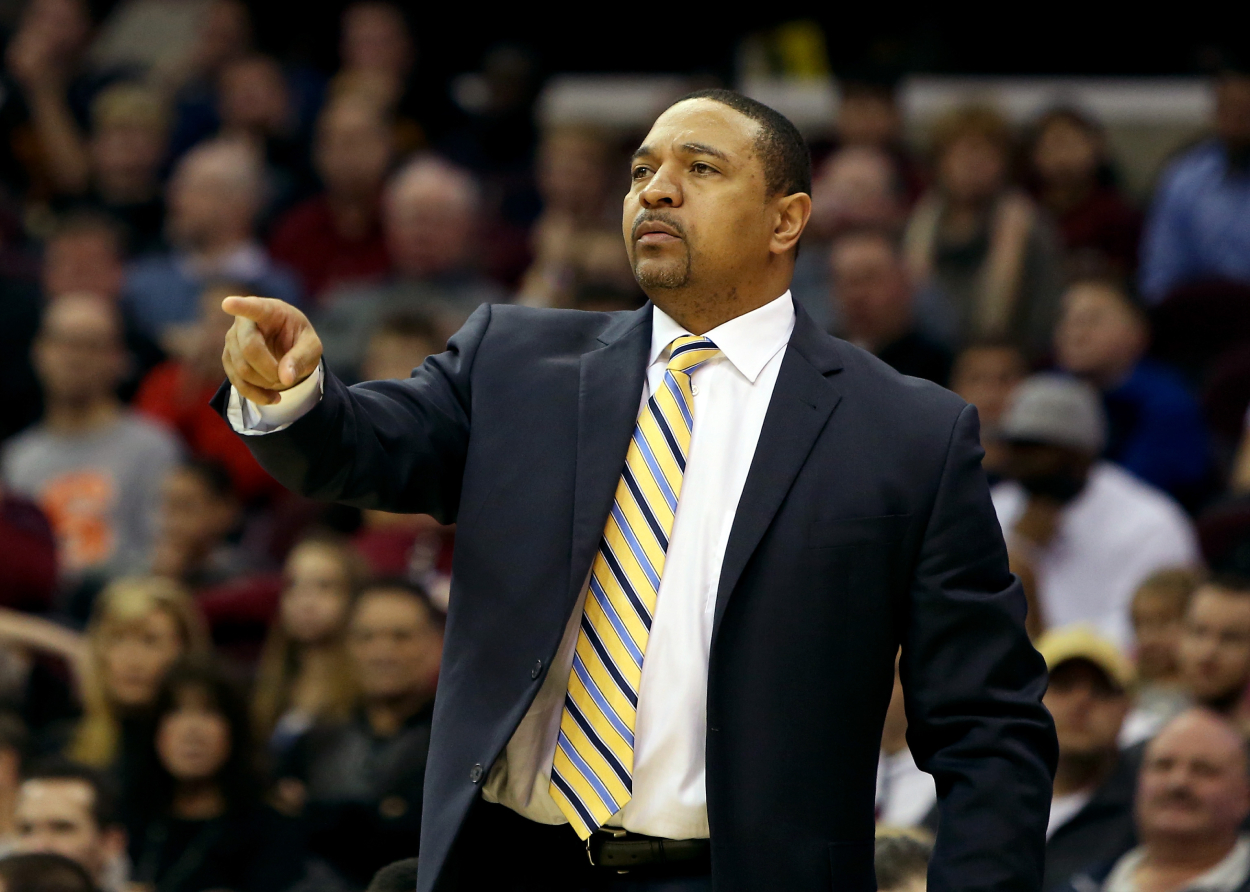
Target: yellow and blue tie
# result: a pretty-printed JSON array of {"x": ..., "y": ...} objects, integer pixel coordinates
[{"x": 592, "y": 773}]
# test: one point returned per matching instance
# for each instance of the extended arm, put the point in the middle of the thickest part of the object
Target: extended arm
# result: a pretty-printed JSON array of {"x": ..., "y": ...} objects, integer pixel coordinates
[{"x": 973, "y": 687}]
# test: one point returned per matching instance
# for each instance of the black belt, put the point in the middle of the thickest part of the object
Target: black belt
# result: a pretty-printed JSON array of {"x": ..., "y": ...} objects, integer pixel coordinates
[{"x": 620, "y": 850}]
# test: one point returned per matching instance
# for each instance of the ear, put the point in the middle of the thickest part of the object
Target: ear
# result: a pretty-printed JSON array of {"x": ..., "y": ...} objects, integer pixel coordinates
[{"x": 793, "y": 212}]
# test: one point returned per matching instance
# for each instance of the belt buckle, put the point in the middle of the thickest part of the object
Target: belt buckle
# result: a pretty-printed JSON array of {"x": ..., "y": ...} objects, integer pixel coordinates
[{"x": 617, "y": 833}]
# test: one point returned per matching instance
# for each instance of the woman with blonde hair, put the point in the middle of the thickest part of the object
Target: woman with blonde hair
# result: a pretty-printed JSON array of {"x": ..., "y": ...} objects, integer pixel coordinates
[
  {"x": 139, "y": 628},
  {"x": 305, "y": 675}
]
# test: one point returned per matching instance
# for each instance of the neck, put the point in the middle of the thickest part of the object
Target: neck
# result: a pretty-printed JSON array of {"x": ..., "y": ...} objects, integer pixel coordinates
[
  {"x": 79, "y": 417},
  {"x": 387, "y": 715},
  {"x": 1112, "y": 376},
  {"x": 1188, "y": 856},
  {"x": 216, "y": 247},
  {"x": 1076, "y": 774},
  {"x": 700, "y": 312},
  {"x": 198, "y": 800}
]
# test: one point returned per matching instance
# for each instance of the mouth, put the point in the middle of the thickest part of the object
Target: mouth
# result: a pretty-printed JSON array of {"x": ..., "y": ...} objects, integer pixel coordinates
[{"x": 655, "y": 232}]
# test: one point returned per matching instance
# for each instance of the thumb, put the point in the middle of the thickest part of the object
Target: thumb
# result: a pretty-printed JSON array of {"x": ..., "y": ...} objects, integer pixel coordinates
[{"x": 301, "y": 360}]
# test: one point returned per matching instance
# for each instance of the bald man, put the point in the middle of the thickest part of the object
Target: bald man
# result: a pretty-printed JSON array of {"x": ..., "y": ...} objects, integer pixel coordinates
[
  {"x": 1193, "y": 795},
  {"x": 214, "y": 196},
  {"x": 94, "y": 467}
]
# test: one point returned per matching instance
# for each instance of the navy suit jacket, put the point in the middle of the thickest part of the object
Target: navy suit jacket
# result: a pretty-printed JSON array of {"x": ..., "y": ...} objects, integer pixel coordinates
[{"x": 865, "y": 523}]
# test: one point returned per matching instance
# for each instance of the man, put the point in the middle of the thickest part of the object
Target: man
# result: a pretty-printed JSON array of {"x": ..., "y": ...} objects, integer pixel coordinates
[
  {"x": 1091, "y": 814},
  {"x": 1155, "y": 426},
  {"x": 830, "y": 512},
  {"x": 70, "y": 810},
  {"x": 1214, "y": 651},
  {"x": 874, "y": 299},
  {"x": 214, "y": 197},
  {"x": 198, "y": 512},
  {"x": 430, "y": 214},
  {"x": 986, "y": 374},
  {"x": 1192, "y": 797},
  {"x": 364, "y": 779},
  {"x": 1085, "y": 531},
  {"x": 1198, "y": 226},
  {"x": 94, "y": 467}
]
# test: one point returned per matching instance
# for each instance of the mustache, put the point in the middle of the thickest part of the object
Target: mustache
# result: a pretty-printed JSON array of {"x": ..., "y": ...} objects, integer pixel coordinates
[
  {"x": 1177, "y": 796},
  {"x": 650, "y": 216}
]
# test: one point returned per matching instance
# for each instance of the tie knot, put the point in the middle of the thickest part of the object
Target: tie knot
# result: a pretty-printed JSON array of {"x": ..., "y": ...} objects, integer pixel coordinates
[{"x": 689, "y": 352}]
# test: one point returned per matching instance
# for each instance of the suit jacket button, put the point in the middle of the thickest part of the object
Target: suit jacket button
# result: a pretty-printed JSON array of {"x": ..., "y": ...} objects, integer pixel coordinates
[
  {"x": 537, "y": 670},
  {"x": 475, "y": 773}
]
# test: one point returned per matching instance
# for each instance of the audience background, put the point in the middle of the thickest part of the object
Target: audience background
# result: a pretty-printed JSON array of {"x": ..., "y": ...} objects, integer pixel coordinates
[{"x": 207, "y": 682}]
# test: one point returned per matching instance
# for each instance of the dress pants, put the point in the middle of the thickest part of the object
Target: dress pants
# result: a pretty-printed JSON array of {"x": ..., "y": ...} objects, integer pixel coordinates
[{"x": 500, "y": 851}]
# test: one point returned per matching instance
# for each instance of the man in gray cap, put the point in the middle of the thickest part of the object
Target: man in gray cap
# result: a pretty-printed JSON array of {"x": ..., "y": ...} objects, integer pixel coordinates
[{"x": 1082, "y": 531}]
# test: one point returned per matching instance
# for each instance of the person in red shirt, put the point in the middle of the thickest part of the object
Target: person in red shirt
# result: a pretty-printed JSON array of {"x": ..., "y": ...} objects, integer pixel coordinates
[{"x": 336, "y": 236}]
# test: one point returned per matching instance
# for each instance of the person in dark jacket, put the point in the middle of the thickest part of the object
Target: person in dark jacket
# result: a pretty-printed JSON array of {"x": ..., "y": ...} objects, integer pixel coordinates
[{"x": 1091, "y": 814}]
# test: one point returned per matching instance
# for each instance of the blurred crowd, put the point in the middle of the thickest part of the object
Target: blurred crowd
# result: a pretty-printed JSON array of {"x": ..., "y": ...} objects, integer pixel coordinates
[{"x": 207, "y": 682}]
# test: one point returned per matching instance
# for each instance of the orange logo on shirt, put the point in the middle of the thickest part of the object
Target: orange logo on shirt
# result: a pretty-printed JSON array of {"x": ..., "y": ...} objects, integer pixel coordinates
[{"x": 79, "y": 505}]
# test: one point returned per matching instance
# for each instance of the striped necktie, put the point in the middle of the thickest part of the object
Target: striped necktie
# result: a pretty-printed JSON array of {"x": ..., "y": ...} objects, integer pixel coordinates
[{"x": 592, "y": 773}]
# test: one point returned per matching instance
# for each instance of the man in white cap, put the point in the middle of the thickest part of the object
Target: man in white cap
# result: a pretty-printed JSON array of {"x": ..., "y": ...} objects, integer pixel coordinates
[{"x": 1085, "y": 532}]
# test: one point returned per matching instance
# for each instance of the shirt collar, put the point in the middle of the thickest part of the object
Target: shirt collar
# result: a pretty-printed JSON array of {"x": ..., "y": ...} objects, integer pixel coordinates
[{"x": 748, "y": 341}]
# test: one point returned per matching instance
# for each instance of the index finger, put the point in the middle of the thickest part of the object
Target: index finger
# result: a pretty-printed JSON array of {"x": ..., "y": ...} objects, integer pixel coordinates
[{"x": 261, "y": 310}]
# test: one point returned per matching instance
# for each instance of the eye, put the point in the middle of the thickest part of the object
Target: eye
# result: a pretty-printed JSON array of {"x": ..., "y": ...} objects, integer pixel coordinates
[
  {"x": 640, "y": 171},
  {"x": 702, "y": 168}
]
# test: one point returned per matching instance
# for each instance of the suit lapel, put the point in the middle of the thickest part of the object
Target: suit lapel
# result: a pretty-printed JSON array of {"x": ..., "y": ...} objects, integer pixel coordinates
[
  {"x": 802, "y": 401},
  {"x": 608, "y": 398}
]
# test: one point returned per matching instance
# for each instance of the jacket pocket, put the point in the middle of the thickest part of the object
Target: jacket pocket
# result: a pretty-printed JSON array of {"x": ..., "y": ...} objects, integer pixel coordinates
[{"x": 851, "y": 866}]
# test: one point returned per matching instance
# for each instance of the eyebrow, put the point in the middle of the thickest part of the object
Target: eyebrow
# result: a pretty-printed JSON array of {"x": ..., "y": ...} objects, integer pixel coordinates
[{"x": 694, "y": 148}]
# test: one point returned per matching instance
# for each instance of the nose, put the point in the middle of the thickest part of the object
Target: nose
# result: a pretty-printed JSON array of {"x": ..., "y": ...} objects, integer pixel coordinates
[{"x": 662, "y": 190}]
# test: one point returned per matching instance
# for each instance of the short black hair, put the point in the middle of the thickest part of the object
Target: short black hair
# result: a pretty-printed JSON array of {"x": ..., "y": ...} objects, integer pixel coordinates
[
  {"x": 782, "y": 149},
  {"x": 104, "y": 799},
  {"x": 437, "y": 618},
  {"x": 44, "y": 872},
  {"x": 212, "y": 473}
]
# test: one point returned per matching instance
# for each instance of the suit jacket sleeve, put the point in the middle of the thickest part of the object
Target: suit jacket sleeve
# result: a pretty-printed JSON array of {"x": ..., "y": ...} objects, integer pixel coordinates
[
  {"x": 391, "y": 445},
  {"x": 973, "y": 687}
]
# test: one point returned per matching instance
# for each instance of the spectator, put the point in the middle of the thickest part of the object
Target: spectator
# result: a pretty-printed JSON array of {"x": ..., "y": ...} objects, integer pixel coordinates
[
  {"x": 902, "y": 863},
  {"x": 336, "y": 237},
  {"x": 1156, "y": 428},
  {"x": 364, "y": 778},
  {"x": 400, "y": 344},
  {"x": 576, "y": 240},
  {"x": 44, "y": 62},
  {"x": 430, "y": 214},
  {"x": 1091, "y": 814},
  {"x": 1199, "y": 223},
  {"x": 138, "y": 629},
  {"x": 1098, "y": 228},
  {"x": 28, "y": 555},
  {"x": 1085, "y": 531},
  {"x": 93, "y": 466},
  {"x": 177, "y": 392},
  {"x": 305, "y": 675},
  {"x": 986, "y": 374},
  {"x": 906, "y": 796},
  {"x": 1214, "y": 651},
  {"x": 43, "y": 872},
  {"x": 214, "y": 196},
  {"x": 854, "y": 188},
  {"x": 85, "y": 255},
  {"x": 129, "y": 131},
  {"x": 980, "y": 244},
  {"x": 69, "y": 810},
  {"x": 875, "y": 302},
  {"x": 869, "y": 117},
  {"x": 197, "y": 822},
  {"x": 225, "y": 35},
  {"x": 14, "y": 745},
  {"x": 199, "y": 511},
  {"x": 1158, "y": 615},
  {"x": 1192, "y": 797}
]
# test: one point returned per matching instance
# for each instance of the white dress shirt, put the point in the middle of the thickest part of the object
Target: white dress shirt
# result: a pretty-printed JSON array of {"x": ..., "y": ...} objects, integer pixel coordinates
[
  {"x": 1113, "y": 535},
  {"x": 905, "y": 794},
  {"x": 731, "y": 396}
]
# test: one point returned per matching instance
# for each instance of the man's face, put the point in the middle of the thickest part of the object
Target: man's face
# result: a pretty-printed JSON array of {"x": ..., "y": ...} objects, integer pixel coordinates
[
  {"x": 986, "y": 377},
  {"x": 1047, "y": 470},
  {"x": 1192, "y": 783},
  {"x": 78, "y": 354},
  {"x": 1098, "y": 334},
  {"x": 972, "y": 169},
  {"x": 394, "y": 645},
  {"x": 353, "y": 150},
  {"x": 870, "y": 286},
  {"x": 429, "y": 225},
  {"x": 1158, "y": 623},
  {"x": 83, "y": 263},
  {"x": 192, "y": 515},
  {"x": 205, "y": 203},
  {"x": 55, "y": 815},
  {"x": 1066, "y": 153},
  {"x": 1088, "y": 709},
  {"x": 698, "y": 212},
  {"x": 1214, "y": 652}
]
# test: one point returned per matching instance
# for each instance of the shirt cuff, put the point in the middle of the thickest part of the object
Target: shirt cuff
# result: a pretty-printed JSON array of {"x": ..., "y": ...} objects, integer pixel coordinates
[{"x": 251, "y": 419}]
